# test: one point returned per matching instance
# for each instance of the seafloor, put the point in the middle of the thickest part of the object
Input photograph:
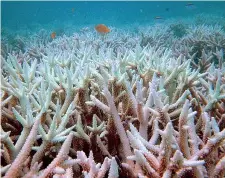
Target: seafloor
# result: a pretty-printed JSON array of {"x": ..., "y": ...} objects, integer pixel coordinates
[{"x": 143, "y": 101}]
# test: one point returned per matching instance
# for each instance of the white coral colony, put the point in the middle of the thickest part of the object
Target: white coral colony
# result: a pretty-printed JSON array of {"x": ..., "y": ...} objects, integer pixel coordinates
[{"x": 127, "y": 106}]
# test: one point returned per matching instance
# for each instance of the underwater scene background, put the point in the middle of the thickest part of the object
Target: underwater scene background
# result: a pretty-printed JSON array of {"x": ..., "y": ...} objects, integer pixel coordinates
[{"x": 112, "y": 89}]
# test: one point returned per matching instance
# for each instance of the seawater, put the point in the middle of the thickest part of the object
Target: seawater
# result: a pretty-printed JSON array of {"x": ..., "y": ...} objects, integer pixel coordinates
[{"x": 73, "y": 15}]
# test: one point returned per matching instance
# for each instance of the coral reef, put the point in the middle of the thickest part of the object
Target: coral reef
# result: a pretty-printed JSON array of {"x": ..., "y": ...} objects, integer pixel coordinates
[{"x": 122, "y": 106}]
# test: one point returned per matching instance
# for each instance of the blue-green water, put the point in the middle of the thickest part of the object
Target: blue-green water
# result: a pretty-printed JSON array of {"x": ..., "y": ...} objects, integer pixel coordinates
[{"x": 30, "y": 15}]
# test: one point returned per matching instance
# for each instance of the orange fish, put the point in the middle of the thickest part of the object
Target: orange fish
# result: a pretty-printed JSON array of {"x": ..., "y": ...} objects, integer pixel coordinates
[
  {"x": 73, "y": 10},
  {"x": 53, "y": 35},
  {"x": 101, "y": 28}
]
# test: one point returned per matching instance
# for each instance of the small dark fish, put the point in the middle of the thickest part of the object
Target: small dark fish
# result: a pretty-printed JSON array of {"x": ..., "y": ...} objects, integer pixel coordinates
[
  {"x": 190, "y": 6},
  {"x": 167, "y": 9},
  {"x": 158, "y": 18}
]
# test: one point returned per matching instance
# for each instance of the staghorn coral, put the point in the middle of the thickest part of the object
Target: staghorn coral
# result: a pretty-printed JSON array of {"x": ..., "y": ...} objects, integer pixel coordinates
[
  {"x": 82, "y": 107},
  {"x": 179, "y": 30}
]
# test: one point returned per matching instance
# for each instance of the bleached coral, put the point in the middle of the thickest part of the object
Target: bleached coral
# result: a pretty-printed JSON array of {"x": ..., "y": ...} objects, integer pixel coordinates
[{"x": 92, "y": 108}]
